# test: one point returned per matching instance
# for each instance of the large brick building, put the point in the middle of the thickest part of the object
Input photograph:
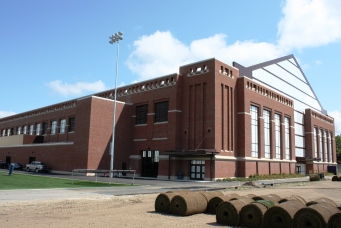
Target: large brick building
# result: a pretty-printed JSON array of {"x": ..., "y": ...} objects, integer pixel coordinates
[{"x": 209, "y": 121}]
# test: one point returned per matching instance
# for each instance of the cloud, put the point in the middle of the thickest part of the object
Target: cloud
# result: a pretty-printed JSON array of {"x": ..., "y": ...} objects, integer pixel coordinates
[
  {"x": 318, "y": 62},
  {"x": 6, "y": 113},
  {"x": 77, "y": 88},
  {"x": 305, "y": 23},
  {"x": 161, "y": 53},
  {"x": 309, "y": 23},
  {"x": 337, "y": 121}
]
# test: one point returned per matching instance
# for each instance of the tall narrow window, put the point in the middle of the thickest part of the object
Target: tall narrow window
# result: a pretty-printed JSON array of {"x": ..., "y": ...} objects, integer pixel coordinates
[
  {"x": 325, "y": 146},
  {"x": 278, "y": 135},
  {"x": 267, "y": 132},
  {"x": 141, "y": 114},
  {"x": 72, "y": 124},
  {"x": 8, "y": 131},
  {"x": 287, "y": 137},
  {"x": 38, "y": 129},
  {"x": 3, "y": 133},
  {"x": 19, "y": 130},
  {"x": 161, "y": 111},
  {"x": 315, "y": 141},
  {"x": 330, "y": 148},
  {"x": 321, "y": 144},
  {"x": 254, "y": 131},
  {"x": 44, "y": 130},
  {"x": 25, "y": 130},
  {"x": 31, "y": 129},
  {"x": 53, "y": 127},
  {"x": 62, "y": 126}
]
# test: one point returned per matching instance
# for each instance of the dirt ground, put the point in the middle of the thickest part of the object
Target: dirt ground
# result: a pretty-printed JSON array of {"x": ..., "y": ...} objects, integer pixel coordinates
[{"x": 138, "y": 210}]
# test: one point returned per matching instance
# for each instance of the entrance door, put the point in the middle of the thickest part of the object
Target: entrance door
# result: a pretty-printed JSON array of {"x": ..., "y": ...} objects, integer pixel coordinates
[
  {"x": 197, "y": 169},
  {"x": 150, "y": 163},
  {"x": 31, "y": 159},
  {"x": 8, "y": 160}
]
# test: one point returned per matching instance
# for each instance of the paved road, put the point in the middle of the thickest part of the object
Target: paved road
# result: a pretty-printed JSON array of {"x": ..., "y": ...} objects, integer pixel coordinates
[{"x": 141, "y": 186}]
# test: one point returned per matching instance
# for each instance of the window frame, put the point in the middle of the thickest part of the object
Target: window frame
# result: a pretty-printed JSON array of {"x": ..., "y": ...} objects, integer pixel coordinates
[
  {"x": 53, "y": 127},
  {"x": 267, "y": 133},
  {"x": 161, "y": 111},
  {"x": 254, "y": 130},
  {"x": 62, "y": 126},
  {"x": 72, "y": 124},
  {"x": 141, "y": 114},
  {"x": 278, "y": 133}
]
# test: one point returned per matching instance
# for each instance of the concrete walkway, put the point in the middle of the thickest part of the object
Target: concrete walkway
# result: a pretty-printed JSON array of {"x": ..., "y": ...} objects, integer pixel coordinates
[{"x": 141, "y": 186}]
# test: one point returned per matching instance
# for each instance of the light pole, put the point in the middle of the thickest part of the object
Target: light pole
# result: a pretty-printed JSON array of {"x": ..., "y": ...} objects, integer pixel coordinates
[{"x": 114, "y": 39}]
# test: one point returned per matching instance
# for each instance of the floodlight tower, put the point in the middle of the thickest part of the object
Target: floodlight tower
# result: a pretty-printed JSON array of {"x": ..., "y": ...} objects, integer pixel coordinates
[{"x": 114, "y": 39}]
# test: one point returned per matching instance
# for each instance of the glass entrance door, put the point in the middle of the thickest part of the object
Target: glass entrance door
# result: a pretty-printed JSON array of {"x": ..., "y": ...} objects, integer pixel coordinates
[
  {"x": 197, "y": 169},
  {"x": 150, "y": 163}
]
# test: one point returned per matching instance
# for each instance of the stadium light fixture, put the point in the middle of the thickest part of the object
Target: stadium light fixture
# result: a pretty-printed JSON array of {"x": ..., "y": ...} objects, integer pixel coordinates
[{"x": 116, "y": 38}]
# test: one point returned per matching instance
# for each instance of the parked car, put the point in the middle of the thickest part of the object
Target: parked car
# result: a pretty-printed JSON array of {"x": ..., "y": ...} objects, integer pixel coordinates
[
  {"x": 4, "y": 165},
  {"x": 17, "y": 166},
  {"x": 37, "y": 166}
]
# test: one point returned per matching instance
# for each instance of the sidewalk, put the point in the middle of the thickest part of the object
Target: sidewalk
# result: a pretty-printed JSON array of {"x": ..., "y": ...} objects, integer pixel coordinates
[{"x": 141, "y": 186}]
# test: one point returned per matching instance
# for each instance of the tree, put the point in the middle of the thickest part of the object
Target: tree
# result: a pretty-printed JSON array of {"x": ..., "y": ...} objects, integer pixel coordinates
[{"x": 338, "y": 147}]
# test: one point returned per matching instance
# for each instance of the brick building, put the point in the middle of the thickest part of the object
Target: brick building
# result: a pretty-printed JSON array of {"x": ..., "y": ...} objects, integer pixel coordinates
[{"x": 210, "y": 121}]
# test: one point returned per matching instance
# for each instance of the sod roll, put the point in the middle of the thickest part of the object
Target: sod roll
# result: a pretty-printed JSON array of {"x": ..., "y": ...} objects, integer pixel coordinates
[
  {"x": 293, "y": 198},
  {"x": 251, "y": 215},
  {"x": 228, "y": 211},
  {"x": 235, "y": 195},
  {"x": 282, "y": 216},
  {"x": 316, "y": 215},
  {"x": 335, "y": 178},
  {"x": 163, "y": 201},
  {"x": 335, "y": 220},
  {"x": 188, "y": 204},
  {"x": 250, "y": 196},
  {"x": 322, "y": 200},
  {"x": 214, "y": 203},
  {"x": 271, "y": 197},
  {"x": 209, "y": 195}
]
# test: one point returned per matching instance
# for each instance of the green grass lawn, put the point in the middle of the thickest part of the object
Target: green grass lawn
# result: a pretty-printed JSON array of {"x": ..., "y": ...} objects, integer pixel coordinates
[{"x": 27, "y": 181}]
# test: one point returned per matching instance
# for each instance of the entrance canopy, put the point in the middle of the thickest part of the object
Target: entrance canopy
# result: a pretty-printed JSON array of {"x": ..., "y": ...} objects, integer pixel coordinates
[{"x": 189, "y": 153}]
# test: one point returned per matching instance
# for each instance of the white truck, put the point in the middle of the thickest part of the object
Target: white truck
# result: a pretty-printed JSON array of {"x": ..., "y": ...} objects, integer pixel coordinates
[{"x": 36, "y": 166}]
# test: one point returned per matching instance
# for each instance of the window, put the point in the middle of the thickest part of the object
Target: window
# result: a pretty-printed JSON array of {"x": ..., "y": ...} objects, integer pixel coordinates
[
  {"x": 141, "y": 114},
  {"x": 53, "y": 127},
  {"x": 278, "y": 135},
  {"x": 72, "y": 124},
  {"x": 62, "y": 126},
  {"x": 3, "y": 133},
  {"x": 321, "y": 145},
  {"x": 330, "y": 148},
  {"x": 161, "y": 111},
  {"x": 315, "y": 141},
  {"x": 254, "y": 131},
  {"x": 325, "y": 146},
  {"x": 25, "y": 130},
  {"x": 197, "y": 169},
  {"x": 38, "y": 129},
  {"x": 287, "y": 137},
  {"x": 19, "y": 130},
  {"x": 44, "y": 130},
  {"x": 267, "y": 132},
  {"x": 31, "y": 129}
]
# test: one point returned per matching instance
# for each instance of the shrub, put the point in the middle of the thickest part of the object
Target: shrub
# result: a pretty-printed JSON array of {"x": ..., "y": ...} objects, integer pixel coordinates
[{"x": 314, "y": 177}]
